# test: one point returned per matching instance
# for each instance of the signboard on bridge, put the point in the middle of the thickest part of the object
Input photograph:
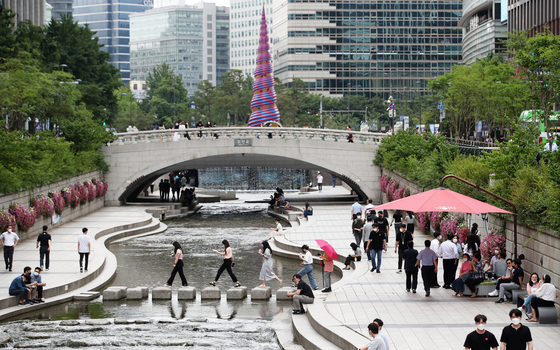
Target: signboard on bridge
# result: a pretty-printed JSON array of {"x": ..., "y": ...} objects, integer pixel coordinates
[{"x": 242, "y": 142}]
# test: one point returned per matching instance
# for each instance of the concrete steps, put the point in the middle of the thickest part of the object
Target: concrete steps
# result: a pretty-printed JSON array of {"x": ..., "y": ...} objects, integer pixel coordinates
[{"x": 308, "y": 337}]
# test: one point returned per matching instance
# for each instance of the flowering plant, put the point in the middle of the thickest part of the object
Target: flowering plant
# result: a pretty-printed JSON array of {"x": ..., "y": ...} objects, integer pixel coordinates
[
  {"x": 423, "y": 221},
  {"x": 450, "y": 223},
  {"x": 43, "y": 205},
  {"x": 6, "y": 219},
  {"x": 384, "y": 182},
  {"x": 435, "y": 220},
  {"x": 58, "y": 201},
  {"x": 103, "y": 189},
  {"x": 81, "y": 193},
  {"x": 91, "y": 190},
  {"x": 25, "y": 218},
  {"x": 462, "y": 233},
  {"x": 495, "y": 239},
  {"x": 70, "y": 197}
]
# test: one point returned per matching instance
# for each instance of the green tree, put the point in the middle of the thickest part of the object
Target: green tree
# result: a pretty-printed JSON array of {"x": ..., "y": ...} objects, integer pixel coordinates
[
  {"x": 167, "y": 96},
  {"x": 205, "y": 98},
  {"x": 230, "y": 94}
]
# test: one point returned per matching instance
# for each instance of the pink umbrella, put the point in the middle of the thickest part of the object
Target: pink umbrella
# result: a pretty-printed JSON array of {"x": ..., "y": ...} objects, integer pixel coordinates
[
  {"x": 327, "y": 248},
  {"x": 441, "y": 199}
]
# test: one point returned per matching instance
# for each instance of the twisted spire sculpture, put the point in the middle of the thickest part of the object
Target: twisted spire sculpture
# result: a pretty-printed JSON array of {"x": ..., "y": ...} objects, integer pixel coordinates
[{"x": 263, "y": 104}]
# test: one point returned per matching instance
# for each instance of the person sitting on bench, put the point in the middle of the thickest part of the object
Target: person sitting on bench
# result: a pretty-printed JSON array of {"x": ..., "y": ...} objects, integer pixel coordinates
[{"x": 544, "y": 296}]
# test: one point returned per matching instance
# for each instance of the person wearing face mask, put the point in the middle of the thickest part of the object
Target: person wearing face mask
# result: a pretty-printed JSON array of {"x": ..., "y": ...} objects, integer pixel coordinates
[
  {"x": 382, "y": 223},
  {"x": 9, "y": 241},
  {"x": 516, "y": 336},
  {"x": 545, "y": 295},
  {"x": 516, "y": 282},
  {"x": 491, "y": 268},
  {"x": 376, "y": 244},
  {"x": 480, "y": 339},
  {"x": 464, "y": 274},
  {"x": 434, "y": 246},
  {"x": 403, "y": 236},
  {"x": 448, "y": 252},
  {"x": 37, "y": 293},
  {"x": 19, "y": 287}
]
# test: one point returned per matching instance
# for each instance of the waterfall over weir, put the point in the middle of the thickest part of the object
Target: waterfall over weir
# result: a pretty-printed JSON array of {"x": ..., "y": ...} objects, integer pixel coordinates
[{"x": 251, "y": 178}]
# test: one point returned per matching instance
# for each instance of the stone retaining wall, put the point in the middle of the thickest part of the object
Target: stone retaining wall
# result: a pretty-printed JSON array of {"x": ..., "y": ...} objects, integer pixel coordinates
[
  {"x": 69, "y": 214},
  {"x": 541, "y": 248}
]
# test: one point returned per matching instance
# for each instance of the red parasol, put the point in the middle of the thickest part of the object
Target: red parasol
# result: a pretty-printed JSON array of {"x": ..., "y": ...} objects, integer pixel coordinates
[
  {"x": 441, "y": 199},
  {"x": 327, "y": 248}
]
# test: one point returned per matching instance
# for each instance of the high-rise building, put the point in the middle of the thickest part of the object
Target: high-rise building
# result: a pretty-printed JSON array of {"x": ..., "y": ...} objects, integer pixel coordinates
[
  {"x": 60, "y": 8},
  {"x": 533, "y": 15},
  {"x": 367, "y": 47},
  {"x": 192, "y": 39},
  {"x": 245, "y": 26},
  {"x": 109, "y": 18},
  {"x": 26, "y": 10},
  {"x": 483, "y": 31}
]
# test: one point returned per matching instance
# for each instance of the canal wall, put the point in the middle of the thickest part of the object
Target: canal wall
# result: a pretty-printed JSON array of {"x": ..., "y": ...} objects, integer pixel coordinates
[
  {"x": 68, "y": 214},
  {"x": 541, "y": 247}
]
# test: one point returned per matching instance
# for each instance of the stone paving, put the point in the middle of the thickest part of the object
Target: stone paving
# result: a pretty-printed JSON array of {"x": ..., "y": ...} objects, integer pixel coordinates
[{"x": 412, "y": 321}]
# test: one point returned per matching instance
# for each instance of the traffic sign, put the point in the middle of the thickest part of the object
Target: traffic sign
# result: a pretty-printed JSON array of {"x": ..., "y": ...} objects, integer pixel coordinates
[
  {"x": 440, "y": 105},
  {"x": 193, "y": 104}
]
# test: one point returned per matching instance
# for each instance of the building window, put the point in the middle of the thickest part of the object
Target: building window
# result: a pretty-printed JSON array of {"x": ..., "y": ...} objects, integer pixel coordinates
[
  {"x": 209, "y": 17},
  {"x": 208, "y": 34},
  {"x": 208, "y": 25},
  {"x": 209, "y": 51},
  {"x": 209, "y": 42},
  {"x": 135, "y": 87},
  {"x": 209, "y": 77},
  {"x": 209, "y": 60}
]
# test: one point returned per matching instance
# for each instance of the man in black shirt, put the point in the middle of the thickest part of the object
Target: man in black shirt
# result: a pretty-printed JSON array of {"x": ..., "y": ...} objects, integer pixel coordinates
[
  {"x": 516, "y": 336},
  {"x": 403, "y": 236},
  {"x": 480, "y": 339},
  {"x": 410, "y": 268},
  {"x": 303, "y": 295},
  {"x": 516, "y": 282},
  {"x": 44, "y": 240},
  {"x": 357, "y": 227},
  {"x": 382, "y": 223},
  {"x": 376, "y": 244}
]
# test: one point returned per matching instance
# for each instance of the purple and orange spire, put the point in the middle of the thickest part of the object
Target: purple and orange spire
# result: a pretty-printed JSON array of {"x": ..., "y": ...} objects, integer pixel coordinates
[{"x": 263, "y": 104}]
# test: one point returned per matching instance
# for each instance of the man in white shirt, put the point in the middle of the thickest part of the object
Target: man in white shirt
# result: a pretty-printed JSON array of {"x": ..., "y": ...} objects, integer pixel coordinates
[
  {"x": 554, "y": 146},
  {"x": 448, "y": 252},
  {"x": 434, "y": 246},
  {"x": 9, "y": 241},
  {"x": 319, "y": 181},
  {"x": 279, "y": 230},
  {"x": 307, "y": 264},
  {"x": 84, "y": 248},
  {"x": 370, "y": 208}
]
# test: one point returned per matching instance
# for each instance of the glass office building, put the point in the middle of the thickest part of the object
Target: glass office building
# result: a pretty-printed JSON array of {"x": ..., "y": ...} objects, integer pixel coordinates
[
  {"x": 192, "y": 39},
  {"x": 366, "y": 47},
  {"x": 109, "y": 18},
  {"x": 483, "y": 31},
  {"x": 534, "y": 16},
  {"x": 60, "y": 8}
]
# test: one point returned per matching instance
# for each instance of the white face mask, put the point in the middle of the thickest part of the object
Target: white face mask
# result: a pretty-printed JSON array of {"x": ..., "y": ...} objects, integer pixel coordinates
[
  {"x": 534, "y": 281},
  {"x": 454, "y": 240},
  {"x": 465, "y": 260},
  {"x": 515, "y": 321},
  {"x": 36, "y": 274},
  {"x": 439, "y": 238},
  {"x": 496, "y": 252},
  {"x": 10, "y": 230},
  {"x": 481, "y": 326}
]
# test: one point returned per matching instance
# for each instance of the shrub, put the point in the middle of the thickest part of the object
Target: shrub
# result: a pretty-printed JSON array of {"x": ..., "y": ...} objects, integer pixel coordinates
[
  {"x": 496, "y": 238},
  {"x": 6, "y": 219},
  {"x": 81, "y": 193},
  {"x": 462, "y": 233},
  {"x": 70, "y": 197},
  {"x": 450, "y": 224},
  {"x": 423, "y": 221},
  {"x": 384, "y": 182},
  {"x": 91, "y": 190},
  {"x": 43, "y": 206},
  {"x": 25, "y": 218},
  {"x": 435, "y": 220}
]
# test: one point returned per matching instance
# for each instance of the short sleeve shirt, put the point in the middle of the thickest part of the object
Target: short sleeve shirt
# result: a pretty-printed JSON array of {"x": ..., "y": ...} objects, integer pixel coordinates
[
  {"x": 9, "y": 238},
  {"x": 397, "y": 217},
  {"x": 305, "y": 289},
  {"x": 410, "y": 260},
  {"x": 83, "y": 242},
  {"x": 477, "y": 341},
  {"x": 427, "y": 257},
  {"x": 44, "y": 239},
  {"x": 376, "y": 240},
  {"x": 382, "y": 223},
  {"x": 377, "y": 344},
  {"x": 516, "y": 339},
  {"x": 356, "y": 208},
  {"x": 516, "y": 274}
]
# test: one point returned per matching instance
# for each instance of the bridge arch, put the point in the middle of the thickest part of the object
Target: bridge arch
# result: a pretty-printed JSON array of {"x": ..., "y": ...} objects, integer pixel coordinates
[{"x": 137, "y": 159}]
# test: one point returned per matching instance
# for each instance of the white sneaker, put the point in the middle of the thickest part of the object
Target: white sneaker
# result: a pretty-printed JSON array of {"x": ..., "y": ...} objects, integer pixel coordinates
[{"x": 493, "y": 293}]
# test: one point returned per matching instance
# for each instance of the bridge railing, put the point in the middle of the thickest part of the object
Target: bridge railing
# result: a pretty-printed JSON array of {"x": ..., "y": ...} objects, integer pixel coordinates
[{"x": 171, "y": 135}]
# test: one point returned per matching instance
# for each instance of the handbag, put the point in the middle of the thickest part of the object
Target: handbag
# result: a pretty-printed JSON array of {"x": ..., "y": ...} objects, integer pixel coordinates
[{"x": 466, "y": 276}]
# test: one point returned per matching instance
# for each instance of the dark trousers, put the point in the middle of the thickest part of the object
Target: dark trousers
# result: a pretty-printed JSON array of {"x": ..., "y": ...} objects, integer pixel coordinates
[
  {"x": 8, "y": 256},
  {"x": 427, "y": 276},
  {"x": 368, "y": 253},
  {"x": 226, "y": 265},
  {"x": 351, "y": 258},
  {"x": 40, "y": 292},
  {"x": 434, "y": 278},
  {"x": 412, "y": 275},
  {"x": 82, "y": 255},
  {"x": 320, "y": 186},
  {"x": 178, "y": 268},
  {"x": 21, "y": 292},
  {"x": 449, "y": 271},
  {"x": 500, "y": 281},
  {"x": 44, "y": 255},
  {"x": 471, "y": 283},
  {"x": 535, "y": 303},
  {"x": 401, "y": 255}
]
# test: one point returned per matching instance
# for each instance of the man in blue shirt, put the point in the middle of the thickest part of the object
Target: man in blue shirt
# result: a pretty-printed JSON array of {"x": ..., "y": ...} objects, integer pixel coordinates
[
  {"x": 38, "y": 282},
  {"x": 18, "y": 286},
  {"x": 429, "y": 259},
  {"x": 356, "y": 208}
]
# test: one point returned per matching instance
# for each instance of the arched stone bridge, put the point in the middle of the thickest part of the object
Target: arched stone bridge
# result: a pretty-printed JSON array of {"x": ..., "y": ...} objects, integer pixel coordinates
[{"x": 136, "y": 159}]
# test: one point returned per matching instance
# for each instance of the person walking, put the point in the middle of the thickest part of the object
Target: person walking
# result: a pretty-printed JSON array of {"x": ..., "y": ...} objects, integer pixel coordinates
[
  {"x": 409, "y": 219},
  {"x": 177, "y": 266},
  {"x": 403, "y": 237},
  {"x": 227, "y": 264},
  {"x": 161, "y": 187},
  {"x": 448, "y": 252},
  {"x": 44, "y": 245},
  {"x": 376, "y": 244},
  {"x": 357, "y": 228},
  {"x": 480, "y": 339},
  {"x": 333, "y": 180},
  {"x": 410, "y": 267},
  {"x": 319, "y": 181},
  {"x": 366, "y": 232},
  {"x": 356, "y": 208},
  {"x": 307, "y": 264},
  {"x": 429, "y": 261},
  {"x": 382, "y": 223},
  {"x": 397, "y": 220},
  {"x": 84, "y": 248},
  {"x": 266, "y": 270},
  {"x": 9, "y": 241},
  {"x": 516, "y": 335}
]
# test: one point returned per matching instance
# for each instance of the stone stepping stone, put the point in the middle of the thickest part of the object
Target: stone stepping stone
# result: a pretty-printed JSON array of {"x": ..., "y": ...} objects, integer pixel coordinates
[
  {"x": 134, "y": 294},
  {"x": 281, "y": 293},
  {"x": 161, "y": 293},
  {"x": 210, "y": 293},
  {"x": 69, "y": 323},
  {"x": 98, "y": 322},
  {"x": 112, "y": 293},
  {"x": 261, "y": 293},
  {"x": 237, "y": 293},
  {"x": 186, "y": 293}
]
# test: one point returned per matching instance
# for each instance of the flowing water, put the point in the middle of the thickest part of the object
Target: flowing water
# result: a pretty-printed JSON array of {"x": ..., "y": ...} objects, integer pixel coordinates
[{"x": 147, "y": 261}]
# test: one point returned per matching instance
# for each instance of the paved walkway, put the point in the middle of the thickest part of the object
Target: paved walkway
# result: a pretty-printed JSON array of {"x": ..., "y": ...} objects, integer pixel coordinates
[
  {"x": 64, "y": 258},
  {"x": 412, "y": 321}
]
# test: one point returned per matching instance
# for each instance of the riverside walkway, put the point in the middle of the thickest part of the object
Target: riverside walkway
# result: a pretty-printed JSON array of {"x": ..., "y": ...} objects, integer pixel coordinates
[{"x": 411, "y": 321}]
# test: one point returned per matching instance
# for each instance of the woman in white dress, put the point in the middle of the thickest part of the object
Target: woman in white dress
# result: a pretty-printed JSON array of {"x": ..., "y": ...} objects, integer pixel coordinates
[{"x": 266, "y": 271}]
